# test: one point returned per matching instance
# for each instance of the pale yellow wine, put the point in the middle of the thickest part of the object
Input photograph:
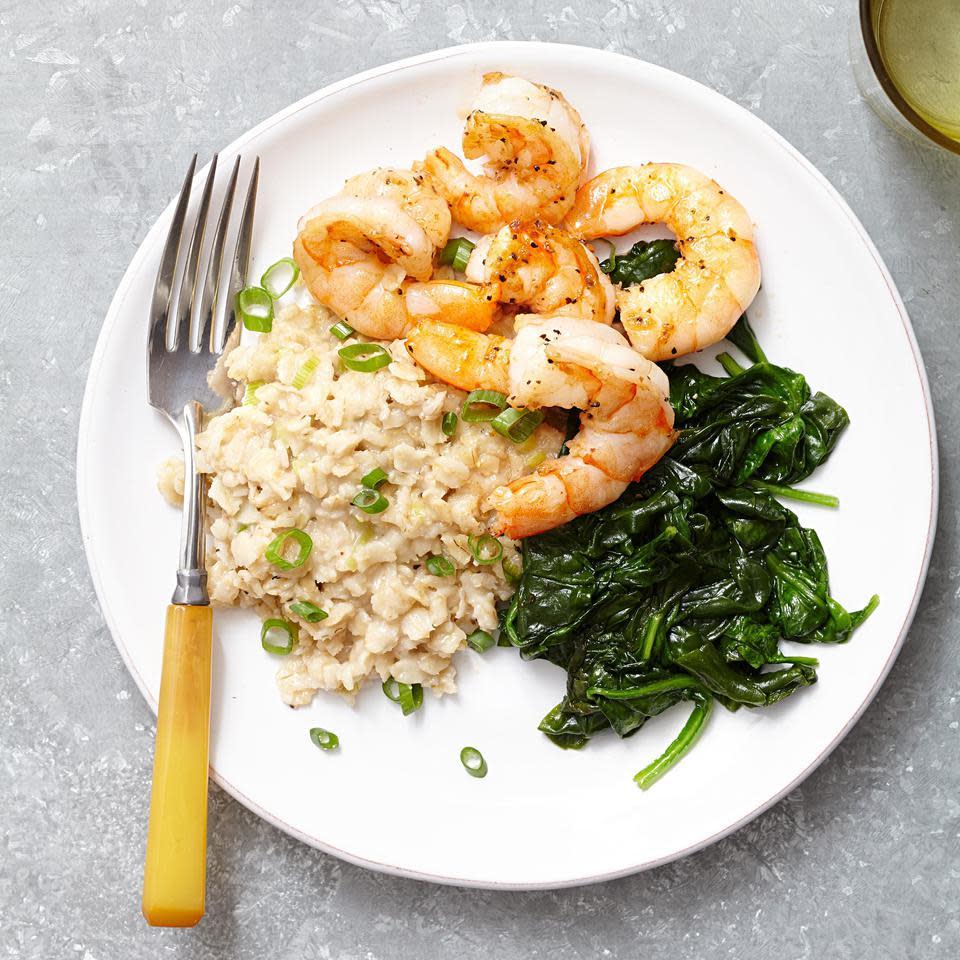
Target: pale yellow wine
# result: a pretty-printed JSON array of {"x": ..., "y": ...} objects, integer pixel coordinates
[{"x": 919, "y": 41}]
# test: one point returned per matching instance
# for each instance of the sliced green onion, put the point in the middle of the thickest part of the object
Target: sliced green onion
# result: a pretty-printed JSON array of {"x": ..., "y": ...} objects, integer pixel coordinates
[
  {"x": 373, "y": 479},
  {"x": 305, "y": 373},
  {"x": 364, "y": 357},
  {"x": 512, "y": 569},
  {"x": 342, "y": 330},
  {"x": 309, "y": 611},
  {"x": 480, "y": 641},
  {"x": 324, "y": 739},
  {"x": 241, "y": 527},
  {"x": 370, "y": 501},
  {"x": 456, "y": 253},
  {"x": 440, "y": 566},
  {"x": 250, "y": 393},
  {"x": 449, "y": 424},
  {"x": 279, "y": 277},
  {"x": 255, "y": 308},
  {"x": 473, "y": 762},
  {"x": 366, "y": 531},
  {"x": 516, "y": 425},
  {"x": 485, "y": 548},
  {"x": 481, "y": 406},
  {"x": 268, "y": 636},
  {"x": 274, "y": 551},
  {"x": 410, "y": 697}
]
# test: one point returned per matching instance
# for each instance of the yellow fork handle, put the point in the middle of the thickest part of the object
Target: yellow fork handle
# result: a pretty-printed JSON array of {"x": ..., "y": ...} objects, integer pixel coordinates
[{"x": 174, "y": 876}]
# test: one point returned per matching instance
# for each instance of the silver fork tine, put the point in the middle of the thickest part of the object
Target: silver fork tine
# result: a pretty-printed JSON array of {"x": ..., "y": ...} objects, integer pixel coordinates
[
  {"x": 163, "y": 288},
  {"x": 241, "y": 255},
  {"x": 210, "y": 297},
  {"x": 188, "y": 286}
]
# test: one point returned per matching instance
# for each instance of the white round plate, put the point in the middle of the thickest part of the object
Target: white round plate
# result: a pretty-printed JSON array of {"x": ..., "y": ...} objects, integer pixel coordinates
[{"x": 395, "y": 797}]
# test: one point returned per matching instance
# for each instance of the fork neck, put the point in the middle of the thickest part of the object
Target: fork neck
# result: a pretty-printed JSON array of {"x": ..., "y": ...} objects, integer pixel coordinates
[{"x": 191, "y": 587}]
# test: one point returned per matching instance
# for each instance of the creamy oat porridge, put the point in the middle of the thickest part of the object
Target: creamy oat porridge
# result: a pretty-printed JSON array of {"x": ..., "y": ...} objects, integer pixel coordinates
[{"x": 292, "y": 457}]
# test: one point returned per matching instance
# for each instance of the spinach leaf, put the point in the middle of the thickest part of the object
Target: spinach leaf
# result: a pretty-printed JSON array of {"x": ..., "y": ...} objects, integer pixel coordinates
[
  {"x": 645, "y": 259},
  {"x": 684, "y": 588},
  {"x": 762, "y": 423}
]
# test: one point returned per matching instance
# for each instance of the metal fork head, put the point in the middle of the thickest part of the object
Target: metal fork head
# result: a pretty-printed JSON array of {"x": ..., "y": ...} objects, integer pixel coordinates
[{"x": 185, "y": 339}]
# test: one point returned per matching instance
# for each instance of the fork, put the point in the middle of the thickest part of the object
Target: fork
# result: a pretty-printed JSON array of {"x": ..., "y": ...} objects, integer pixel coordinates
[{"x": 180, "y": 355}]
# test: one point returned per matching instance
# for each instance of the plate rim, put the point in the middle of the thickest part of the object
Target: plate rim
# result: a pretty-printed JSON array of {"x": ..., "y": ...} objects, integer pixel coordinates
[{"x": 500, "y": 48}]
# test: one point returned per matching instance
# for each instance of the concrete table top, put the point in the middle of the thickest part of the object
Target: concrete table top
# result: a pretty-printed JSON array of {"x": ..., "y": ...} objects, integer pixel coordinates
[{"x": 102, "y": 102}]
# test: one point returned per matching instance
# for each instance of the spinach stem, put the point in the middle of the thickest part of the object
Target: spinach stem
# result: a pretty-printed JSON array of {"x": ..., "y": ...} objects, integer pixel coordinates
[
  {"x": 742, "y": 335},
  {"x": 650, "y": 636},
  {"x": 729, "y": 364},
  {"x": 807, "y": 661},
  {"x": 869, "y": 608},
  {"x": 650, "y": 774},
  {"x": 611, "y": 262},
  {"x": 791, "y": 493},
  {"x": 646, "y": 690}
]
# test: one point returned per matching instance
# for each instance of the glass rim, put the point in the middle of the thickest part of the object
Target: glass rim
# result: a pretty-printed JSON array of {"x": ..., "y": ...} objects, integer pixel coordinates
[{"x": 890, "y": 88}]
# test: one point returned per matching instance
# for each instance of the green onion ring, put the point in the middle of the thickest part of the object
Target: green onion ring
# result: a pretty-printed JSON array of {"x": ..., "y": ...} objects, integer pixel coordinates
[
  {"x": 512, "y": 569},
  {"x": 456, "y": 253},
  {"x": 373, "y": 479},
  {"x": 481, "y": 406},
  {"x": 410, "y": 697},
  {"x": 290, "y": 629},
  {"x": 364, "y": 357},
  {"x": 480, "y": 641},
  {"x": 485, "y": 548},
  {"x": 250, "y": 392},
  {"x": 449, "y": 424},
  {"x": 274, "y": 551},
  {"x": 440, "y": 566},
  {"x": 309, "y": 611},
  {"x": 370, "y": 501},
  {"x": 324, "y": 739},
  {"x": 279, "y": 277},
  {"x": 254, "y": 306},
  {"x": 304, "y": 375},
  {"x": 473, "y": 762},
  {"x": 342, "y": 330},
  {"x": 516, "y": 425}
]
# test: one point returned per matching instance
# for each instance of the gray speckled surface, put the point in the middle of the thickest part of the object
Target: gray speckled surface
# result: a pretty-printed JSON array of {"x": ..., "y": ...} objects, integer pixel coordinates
[{"x": 102, "y": 101}]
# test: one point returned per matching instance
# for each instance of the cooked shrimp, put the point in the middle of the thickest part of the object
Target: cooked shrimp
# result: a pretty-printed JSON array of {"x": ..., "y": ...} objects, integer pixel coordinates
[
  {"x": 544, "y": 268},
  {"x": 536, "y": 149},
  {"x": 393, "y": 213},
  {"x": 468, "y": 305},
  {"x": 718, "y": 274},
  {"x": 626, "y": 426},
  {"x": 358, "y": 251},
  {"x": 463, "y": 358}
]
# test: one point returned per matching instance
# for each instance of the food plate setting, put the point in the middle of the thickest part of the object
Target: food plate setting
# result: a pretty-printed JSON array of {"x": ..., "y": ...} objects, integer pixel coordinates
[{"x": 501, "y": 469}]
